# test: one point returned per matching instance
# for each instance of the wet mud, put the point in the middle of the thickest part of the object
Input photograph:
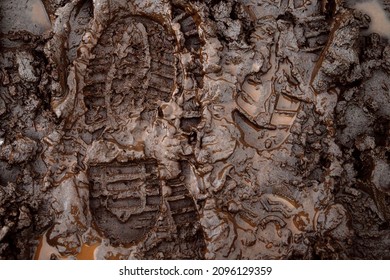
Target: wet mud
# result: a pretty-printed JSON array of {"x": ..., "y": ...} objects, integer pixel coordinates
[{"x": 205, "y": 129}]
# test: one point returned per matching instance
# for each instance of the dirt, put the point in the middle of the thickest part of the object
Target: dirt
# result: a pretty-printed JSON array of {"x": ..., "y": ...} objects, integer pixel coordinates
[{"x": 238, "y": 129}]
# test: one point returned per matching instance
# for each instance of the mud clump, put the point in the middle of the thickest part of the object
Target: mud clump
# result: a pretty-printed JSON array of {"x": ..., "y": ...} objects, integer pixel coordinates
[{"x": 177, "y": 129}]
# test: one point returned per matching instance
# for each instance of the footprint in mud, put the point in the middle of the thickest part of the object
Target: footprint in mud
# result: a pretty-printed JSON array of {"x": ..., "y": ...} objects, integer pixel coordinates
[{"x": 121, "y": 92}]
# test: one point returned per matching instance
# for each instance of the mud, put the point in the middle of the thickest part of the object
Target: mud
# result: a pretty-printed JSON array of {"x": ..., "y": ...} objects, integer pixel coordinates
[{"x": 239, "y": 129}]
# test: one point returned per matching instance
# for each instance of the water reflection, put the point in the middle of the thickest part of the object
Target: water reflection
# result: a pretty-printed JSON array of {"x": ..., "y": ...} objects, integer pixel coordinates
[{"x": 46, "y": 252}]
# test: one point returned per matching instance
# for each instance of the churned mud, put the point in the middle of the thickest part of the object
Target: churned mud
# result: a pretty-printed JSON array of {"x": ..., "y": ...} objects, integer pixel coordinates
[{"x": 204, "y": 129}]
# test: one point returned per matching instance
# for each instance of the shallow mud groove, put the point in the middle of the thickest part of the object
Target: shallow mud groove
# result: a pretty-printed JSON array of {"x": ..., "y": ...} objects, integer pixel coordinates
[{"x": 238, "y": 129}]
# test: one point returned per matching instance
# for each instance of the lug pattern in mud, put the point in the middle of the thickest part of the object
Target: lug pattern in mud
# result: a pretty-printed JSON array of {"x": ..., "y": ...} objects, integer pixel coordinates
[
  {"x": 133, "y": 65},
  {"x": 125, "y": 197}
]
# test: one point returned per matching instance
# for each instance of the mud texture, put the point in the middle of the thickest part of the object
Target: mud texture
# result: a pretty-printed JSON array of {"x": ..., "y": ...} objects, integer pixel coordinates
[{"x": 235, "y": 129}]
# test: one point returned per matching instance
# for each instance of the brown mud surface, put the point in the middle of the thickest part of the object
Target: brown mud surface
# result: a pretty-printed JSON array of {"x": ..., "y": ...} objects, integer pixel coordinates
[{"x": 203, "y": 129}]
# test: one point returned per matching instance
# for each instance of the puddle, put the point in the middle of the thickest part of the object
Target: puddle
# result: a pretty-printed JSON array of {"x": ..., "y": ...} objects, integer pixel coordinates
[
  {"x": 87, "y": 252},
  {"x": 44, "y": 251},
  {"x": 28, "y": 15}
]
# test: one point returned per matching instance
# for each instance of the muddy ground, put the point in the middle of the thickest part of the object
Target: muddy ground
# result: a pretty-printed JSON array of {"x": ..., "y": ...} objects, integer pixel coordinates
[{"x": 236, "y": 129}]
